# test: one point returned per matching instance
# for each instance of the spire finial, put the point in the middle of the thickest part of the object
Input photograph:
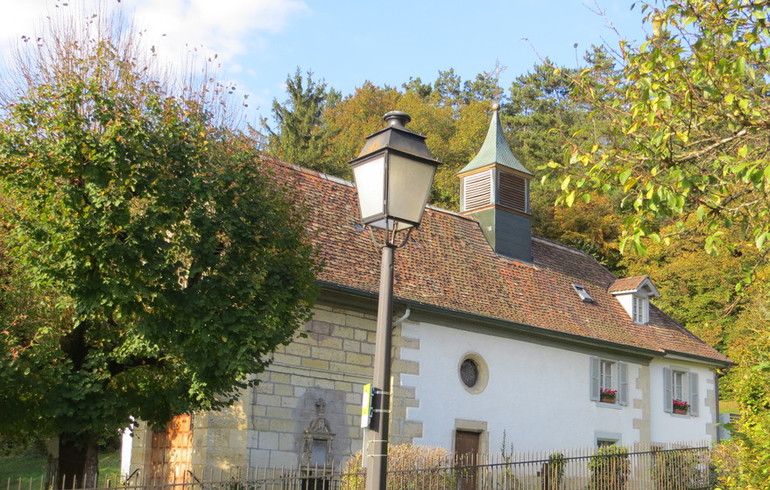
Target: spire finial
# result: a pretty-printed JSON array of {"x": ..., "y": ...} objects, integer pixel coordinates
[{"x": 495, "y": 149}]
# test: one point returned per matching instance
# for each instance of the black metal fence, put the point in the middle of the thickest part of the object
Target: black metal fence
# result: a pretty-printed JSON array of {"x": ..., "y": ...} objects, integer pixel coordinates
[{"x": 654, "y": 467}]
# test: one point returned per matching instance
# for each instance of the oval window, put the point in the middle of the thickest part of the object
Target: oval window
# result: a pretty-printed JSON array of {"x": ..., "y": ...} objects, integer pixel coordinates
[
  {"x": 469, "y": 373},
  {"x": 473, "y": 373}
]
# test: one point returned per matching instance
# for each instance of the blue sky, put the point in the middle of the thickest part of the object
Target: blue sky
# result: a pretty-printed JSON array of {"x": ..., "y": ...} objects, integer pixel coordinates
[{"x": 346, "y": 42}]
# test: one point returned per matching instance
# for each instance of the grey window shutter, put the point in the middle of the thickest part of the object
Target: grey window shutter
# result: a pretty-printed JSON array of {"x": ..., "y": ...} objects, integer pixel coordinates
[
  {"x": 595, "y": 379},
  {"x": 668, "y": 395},
  {"x": 623, "y": 383},
  {"x": 694, "y": 394}
]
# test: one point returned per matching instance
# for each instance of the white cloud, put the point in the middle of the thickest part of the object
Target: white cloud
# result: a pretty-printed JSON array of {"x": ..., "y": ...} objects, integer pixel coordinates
[
  {"x": 224, "y": 27},
  {"x": 18, "y": 18},
  {"x": 228, "y": 28}
]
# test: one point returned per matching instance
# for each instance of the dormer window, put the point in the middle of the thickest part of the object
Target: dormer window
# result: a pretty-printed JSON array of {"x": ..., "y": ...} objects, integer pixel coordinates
[
  {"x": 634, "y": 293},
  {"x": 641, "y": 310}
]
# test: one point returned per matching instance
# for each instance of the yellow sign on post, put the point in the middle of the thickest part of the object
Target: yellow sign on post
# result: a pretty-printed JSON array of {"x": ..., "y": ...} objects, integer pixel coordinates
[{"x": 366, "y": 406}]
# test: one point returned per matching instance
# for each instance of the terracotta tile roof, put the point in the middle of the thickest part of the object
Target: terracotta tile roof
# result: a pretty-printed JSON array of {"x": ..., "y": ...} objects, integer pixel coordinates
[
  {"x": 627, "y": 284},
  {"x": 449, "y": 265}
]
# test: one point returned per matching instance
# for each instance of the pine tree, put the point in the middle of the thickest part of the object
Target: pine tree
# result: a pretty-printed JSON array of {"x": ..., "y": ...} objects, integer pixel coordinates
[{"x": 302, "y": 137}]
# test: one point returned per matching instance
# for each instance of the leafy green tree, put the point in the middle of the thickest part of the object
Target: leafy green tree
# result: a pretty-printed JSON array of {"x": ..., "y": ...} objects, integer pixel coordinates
[
  {"x": 416, "y": 86},
  {"x": 451, "y": 90},
  {"x": 485, "y": 87},
  {"x": 543, "y": 111},
  {"x": 357, "y": 116},
  {"x": 448, "y": 88},
  {"x": 149, "y": 264},
  {"x": 542, "y": 115},
  {"x": 745, "y": 459},
  {"x": 688, "y": 123},
  {"x": 687, "y": 146},
  {"x": 468, "y": 128},
  {"x": 302, "y": 136},
  {"x": 700, "y": 291}
]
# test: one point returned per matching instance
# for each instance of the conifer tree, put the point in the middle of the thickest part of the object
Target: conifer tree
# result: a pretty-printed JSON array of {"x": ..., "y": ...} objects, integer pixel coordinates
[{"x": 302, "y": 136}]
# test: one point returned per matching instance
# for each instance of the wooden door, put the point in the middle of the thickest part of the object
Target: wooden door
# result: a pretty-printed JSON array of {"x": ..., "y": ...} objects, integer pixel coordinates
[
  {"x": 466, "y": 458},
  {"x": 171, "y": 457}
]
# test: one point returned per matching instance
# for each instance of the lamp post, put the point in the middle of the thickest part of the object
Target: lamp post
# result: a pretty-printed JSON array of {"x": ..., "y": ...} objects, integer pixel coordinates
[{"x": 393, "y": 175}]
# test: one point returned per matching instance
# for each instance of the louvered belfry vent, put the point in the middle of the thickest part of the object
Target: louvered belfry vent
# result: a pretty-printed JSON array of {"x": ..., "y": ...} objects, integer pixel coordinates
[
  {"x": 512, "y": 193},
  {"x": 477, "y": 191}
]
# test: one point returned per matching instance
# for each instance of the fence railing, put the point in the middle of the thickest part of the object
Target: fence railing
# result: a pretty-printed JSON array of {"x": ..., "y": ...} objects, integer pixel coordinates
[{"x": 652, "y": 467}]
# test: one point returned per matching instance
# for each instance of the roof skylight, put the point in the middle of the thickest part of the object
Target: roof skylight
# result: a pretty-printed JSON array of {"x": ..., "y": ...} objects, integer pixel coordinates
[{"x": 583, "y": 293}]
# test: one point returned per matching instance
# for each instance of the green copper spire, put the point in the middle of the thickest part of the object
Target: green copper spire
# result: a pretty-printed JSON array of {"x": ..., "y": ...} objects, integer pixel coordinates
[{"x": 495, "y": 149}]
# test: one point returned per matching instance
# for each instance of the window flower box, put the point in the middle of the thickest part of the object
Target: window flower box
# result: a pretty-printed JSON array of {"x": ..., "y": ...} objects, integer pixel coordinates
[
  {"x": 681, "y": 407},
  {"x": 608, "y": 396}
]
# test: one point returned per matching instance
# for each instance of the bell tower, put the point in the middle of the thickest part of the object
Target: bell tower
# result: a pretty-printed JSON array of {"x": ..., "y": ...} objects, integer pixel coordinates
[{"x": 494, "y": 188}]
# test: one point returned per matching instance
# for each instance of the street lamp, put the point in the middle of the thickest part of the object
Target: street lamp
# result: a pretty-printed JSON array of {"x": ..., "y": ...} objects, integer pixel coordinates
[{"x": 393, "y": 174}]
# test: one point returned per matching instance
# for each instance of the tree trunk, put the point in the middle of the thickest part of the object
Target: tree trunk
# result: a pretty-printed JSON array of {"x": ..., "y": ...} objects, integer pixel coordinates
[
  {"x": 78, "y": 462},
  {"x": 78, "y": 452}
]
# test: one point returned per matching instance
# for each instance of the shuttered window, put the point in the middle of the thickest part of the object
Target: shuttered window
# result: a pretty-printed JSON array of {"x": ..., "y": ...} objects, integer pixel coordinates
[
  {"x": 680, "y": 385},
  {"x": 477, "y": 191},
  {"x": 513, "y": 192},
  {"x": 610, "y": 376},
  {"x": 641, "y": 310},
  {"x": 677, "y": 385},
  {"x": 605, "y": 375},
  {"x": 693, "y": 378},
  {"x": 596, "y": 383},
  {"x": 622, "y": 383}
]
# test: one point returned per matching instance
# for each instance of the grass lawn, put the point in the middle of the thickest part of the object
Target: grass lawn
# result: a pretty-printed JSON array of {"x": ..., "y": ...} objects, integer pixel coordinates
[
  {"x": 29, "y": 467},
  {"x": 728, "y": 406}
]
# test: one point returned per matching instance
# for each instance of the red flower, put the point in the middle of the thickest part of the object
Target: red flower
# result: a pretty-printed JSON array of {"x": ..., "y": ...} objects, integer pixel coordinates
[{"x": 681, "y": 404}]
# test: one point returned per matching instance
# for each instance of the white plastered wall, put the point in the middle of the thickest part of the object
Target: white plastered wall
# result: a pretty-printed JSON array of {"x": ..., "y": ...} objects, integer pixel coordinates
[
  {"x": 668, "y": 427},
  {"x": 538, "y": 395}
]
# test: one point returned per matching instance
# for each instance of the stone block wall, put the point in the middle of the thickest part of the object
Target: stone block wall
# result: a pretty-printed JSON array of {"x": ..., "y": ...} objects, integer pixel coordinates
[
  {"x": 218, "y": 448},
  {"x": 319, "y": 376},
  {"x": 326, "y": 365},
  {"x": 219, "y": 441}
]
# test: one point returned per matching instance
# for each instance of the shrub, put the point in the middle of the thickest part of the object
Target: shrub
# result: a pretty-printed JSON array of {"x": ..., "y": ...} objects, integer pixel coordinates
[
  {"x": 553, "y": 471},
  {"x": 726, "y": 458},
  {"x": 21, "y": 446},
  {"x": 409, "y": 466},
  {"x": 676, "y": 469},
  {"x": 743, "y": 461},
  {"x": 509, "y": 480},
  {"x": 609, "y": 468}
]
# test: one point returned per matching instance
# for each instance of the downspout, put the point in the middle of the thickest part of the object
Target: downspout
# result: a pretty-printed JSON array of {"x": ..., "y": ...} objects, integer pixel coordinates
[
  {"x": 403, "y": 318},
  {"x": 718, "y": 417},
  {"x": 395, "y": 324}
]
